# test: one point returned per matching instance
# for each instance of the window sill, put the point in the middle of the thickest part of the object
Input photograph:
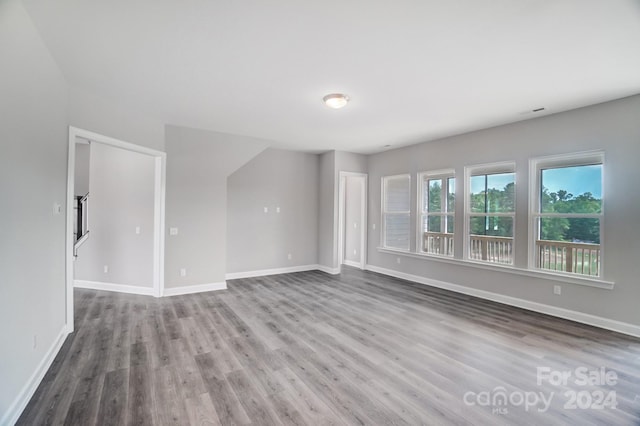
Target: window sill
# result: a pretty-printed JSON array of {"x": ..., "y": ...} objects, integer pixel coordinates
[{"x": 590, "y": 282}]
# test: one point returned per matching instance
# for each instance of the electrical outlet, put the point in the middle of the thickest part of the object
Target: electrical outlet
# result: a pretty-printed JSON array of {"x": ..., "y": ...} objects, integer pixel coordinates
[
  {"x": 557, "y": 290},
  {"x": 266, "y": 209},
  {"x": 289, "y": 256},
  {"x": 397, "y": 259},
  {"x": 173, "y": 231},
  {"x": 106, "y": 269},
  {"x": 355, "y": 224},
  {"x": 277, "y": 209},
  {"x": 137, "y": 230},
  {"x": 57, "y": 208},
  {"x": 183, "y": 272},
  {"x": 374, "y": 226},
  {"x": 355, "y": 252}
]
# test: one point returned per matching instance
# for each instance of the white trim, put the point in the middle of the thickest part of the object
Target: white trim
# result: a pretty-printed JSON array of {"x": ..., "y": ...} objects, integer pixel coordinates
[
  {"x": 383, "y": 210},
  {"x": 328, "y": 270},
  {"x": 24, "y": 396},
  {"x": 120, "y": 288},
  {"x": 444, "y": 175},
  {"x": 580, "y": 317},
  {"x": 352, "y": 264},
  {"x": 69, "y": 243},
  {"x": 76, "y": 134},
  {"x": 486, "y": 169},
  {"x": 537, "y": 273},
  {"x": 342, "y": 205},
  {"x": 552, "y": 161},
  {"x": 198, "y": 288},
  {"x": 274, "y": 271}
]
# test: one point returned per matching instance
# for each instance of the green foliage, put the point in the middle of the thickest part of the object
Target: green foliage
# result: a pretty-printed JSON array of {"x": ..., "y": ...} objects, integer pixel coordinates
[{"x": 570, "y": 229}]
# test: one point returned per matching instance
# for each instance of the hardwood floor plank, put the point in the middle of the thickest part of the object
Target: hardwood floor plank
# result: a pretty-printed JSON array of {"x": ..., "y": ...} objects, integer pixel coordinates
[
  {"x": 113, "y": 401},
  {"x": 310, "y": 348}
]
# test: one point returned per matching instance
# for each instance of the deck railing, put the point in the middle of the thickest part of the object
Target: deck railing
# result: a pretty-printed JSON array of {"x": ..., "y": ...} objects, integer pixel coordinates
[
  {"x": 490, "y": 248},
  {"x": 562, "y": 256},
  {"x": 438, "y": 243}
]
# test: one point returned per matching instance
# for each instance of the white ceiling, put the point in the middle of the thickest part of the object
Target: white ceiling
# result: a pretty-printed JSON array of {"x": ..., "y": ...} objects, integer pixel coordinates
[{"x": 416, "y": 70}]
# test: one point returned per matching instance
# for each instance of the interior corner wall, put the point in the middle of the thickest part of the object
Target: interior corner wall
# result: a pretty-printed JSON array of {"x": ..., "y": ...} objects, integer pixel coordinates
[
  {"x": 121, "y": 201},
  {"x": 198, "y": 164},
  {"x": 326, "y": 209},
  {"x": 286, "y": 184},
  {"x": 33, "y": 171},
  {"x": 612, "y": 127},
  {"x": 331, "y": 164}
]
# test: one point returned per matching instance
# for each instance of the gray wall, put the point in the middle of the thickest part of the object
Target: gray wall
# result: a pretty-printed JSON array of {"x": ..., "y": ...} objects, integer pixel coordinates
[
  {"x": 198, "y": 163},
  {"x": 82, "y": 168},
  {"x": 326, "y": 209},
  {"x": 121, "y": 199},
  {"x": 33, "y": 170},
  {"x": 331, "y": 164},
  {"x": 354, "y": 188},
  {"x": 259, "y": 240},
  {"x": 613, "y": 127},
  {"x": 109, "y": 117}
]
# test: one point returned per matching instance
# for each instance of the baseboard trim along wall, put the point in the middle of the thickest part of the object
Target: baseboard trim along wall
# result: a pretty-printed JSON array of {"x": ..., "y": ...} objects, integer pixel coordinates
[
  {"x": 596, "y": 321},
  {"x": 23, "y": 398},
  {"x": 328, "y": 270},
  {"x": 121, "y": 288},
  {"x": 198, "y": 288},
  {"x": 275, "y": 271},
  {"x": 352, "y": 264}
]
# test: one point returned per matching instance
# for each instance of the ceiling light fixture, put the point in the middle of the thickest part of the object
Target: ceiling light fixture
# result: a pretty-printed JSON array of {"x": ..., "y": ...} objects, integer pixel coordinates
[{"x": 336, "y": 100}]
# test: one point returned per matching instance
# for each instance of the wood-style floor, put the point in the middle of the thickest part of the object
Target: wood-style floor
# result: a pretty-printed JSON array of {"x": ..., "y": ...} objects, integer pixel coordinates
[{"x": 310, "y": 348}]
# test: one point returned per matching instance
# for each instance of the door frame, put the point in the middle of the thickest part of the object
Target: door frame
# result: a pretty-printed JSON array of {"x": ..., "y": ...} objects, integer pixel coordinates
[
  {"x": 158, "y": 210},
  {"x": 342, "y": 204}
]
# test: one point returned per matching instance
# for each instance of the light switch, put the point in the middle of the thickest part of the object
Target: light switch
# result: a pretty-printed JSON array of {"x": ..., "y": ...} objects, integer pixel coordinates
[
  {"x": 374, "y": 226},
  {"x": 277, "y": 209},
  {"x": 266, "y": 209},
  {"x": 173, "y": 231},
  {"x": 183, "y": 272},
  {"x": 138, "y": 230}
]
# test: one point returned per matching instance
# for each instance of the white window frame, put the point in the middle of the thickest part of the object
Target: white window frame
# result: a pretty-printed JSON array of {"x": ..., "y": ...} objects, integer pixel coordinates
[
  {"x": 535, "y": 181},
  {"x": 445, "y": 175},
  {"x": 383, "y": 226},
  {"x": 483, "y": 169}
]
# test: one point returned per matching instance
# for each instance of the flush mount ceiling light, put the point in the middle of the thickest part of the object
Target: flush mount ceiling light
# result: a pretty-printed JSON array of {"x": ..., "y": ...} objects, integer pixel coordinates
[{"x": 336, "y": 100}]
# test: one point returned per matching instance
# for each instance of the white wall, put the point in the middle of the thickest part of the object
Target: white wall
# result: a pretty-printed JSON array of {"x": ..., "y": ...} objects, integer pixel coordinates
[
  {"x": 33, "y": 162},
  {"x": 258, "y": 240},
  {"x": 613, "y": 127},
  {"x": 198, "y": 163},
  {"x": 121, "y": 199}
]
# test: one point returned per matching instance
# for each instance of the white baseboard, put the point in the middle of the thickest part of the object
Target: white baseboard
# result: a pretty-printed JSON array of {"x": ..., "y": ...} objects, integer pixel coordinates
[
  {"x": 265, "y": 272},
  {"x": 121, "y": 288},
  {"x": 328, "y": 270},
  {"x": 20, "y": 402},
  {"x": 352, "y": 264},
  {"x": 198, "y": 288},
  {"x": 581, "y": 317}
]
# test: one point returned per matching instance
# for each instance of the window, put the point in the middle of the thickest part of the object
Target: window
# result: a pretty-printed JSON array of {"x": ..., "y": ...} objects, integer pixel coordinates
[
  {"x": 396, "y": 211},
  {"x": 437, "y": 207},
  {"x": 567, "y": 216},
  {"x": 490, "y": 213}
]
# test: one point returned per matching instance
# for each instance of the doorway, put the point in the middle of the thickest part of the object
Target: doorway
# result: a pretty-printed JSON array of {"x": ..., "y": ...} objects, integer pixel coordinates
[
  {"x": 352, "y": 241},
  {"x": 156, "y": 161}
]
